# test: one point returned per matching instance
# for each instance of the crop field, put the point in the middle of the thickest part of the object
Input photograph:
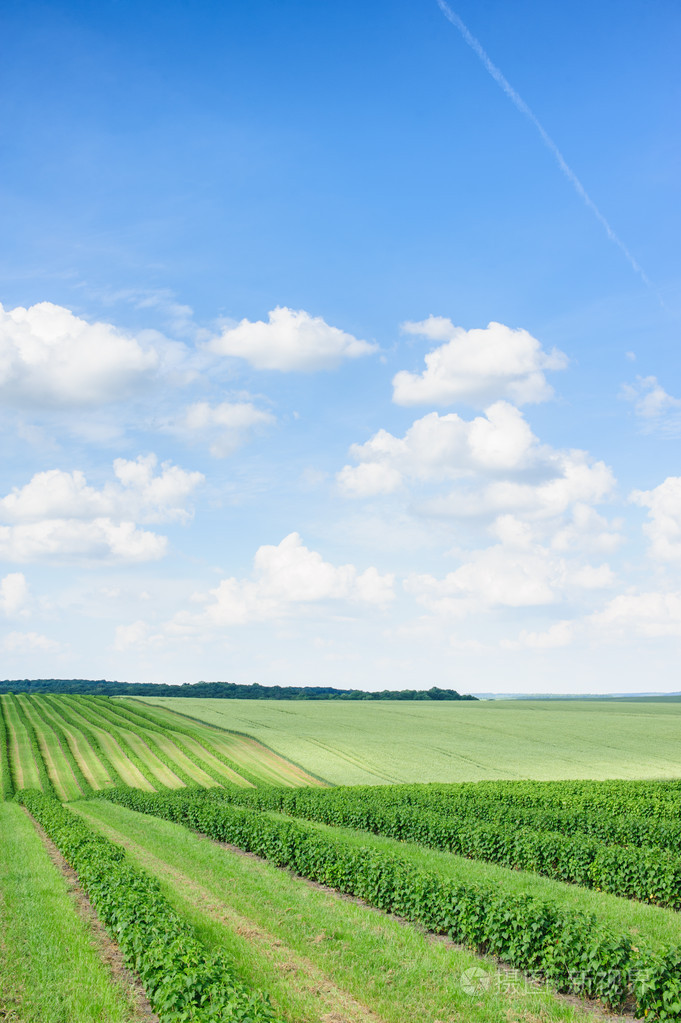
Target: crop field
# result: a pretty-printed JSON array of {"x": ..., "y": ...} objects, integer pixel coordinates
[
  {"x": 154, "y": 866},
  {"x": 389, "y": 742},
  {"x": 72, "y": 744}
]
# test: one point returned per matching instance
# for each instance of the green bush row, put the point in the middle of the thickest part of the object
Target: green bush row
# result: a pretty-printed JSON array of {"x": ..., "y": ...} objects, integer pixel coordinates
[
  {"x": 183, "y": 980},
  {"x": 7, "y": 790},
  {"x": 568, "y": 948},
  {"x": 43, "y": 776},
  {"x": 124, "y": 717},
  {"x": 38, "y": 707},
  {"x": 651, "y": 875},
  {"x": 482, "y": 804},
  {"x": 59, "y": 707}
]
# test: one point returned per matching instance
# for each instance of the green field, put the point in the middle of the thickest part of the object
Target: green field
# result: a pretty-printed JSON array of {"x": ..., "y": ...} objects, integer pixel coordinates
[
  {"x": 379, "y": 742},
  {"x": 249, "y": 874},
  {"x": 77, "y": 743}
]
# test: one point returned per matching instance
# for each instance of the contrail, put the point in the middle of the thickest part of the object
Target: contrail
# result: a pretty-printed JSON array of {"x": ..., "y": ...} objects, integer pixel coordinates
[{"x": 522, "y": 106}]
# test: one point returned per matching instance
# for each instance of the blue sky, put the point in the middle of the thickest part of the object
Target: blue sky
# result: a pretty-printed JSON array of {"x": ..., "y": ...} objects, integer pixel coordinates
[{"x": 256, "y": 425}]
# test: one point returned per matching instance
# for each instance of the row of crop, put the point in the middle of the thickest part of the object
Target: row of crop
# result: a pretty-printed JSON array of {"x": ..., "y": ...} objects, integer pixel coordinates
[
  {"x": 96, "y": 719},
  {"x": 135, "y": 712},
  {"x": 124, "y": 719},
  {"x": 7, "y": 790},
  {"x": 38, "y": 706},
  {"x": 654, "y": 799},
  {"x": 58, "y": 707},
  {"x": 183, "y": 980},
  {"x": 34, "y": 743},
  {"x": 478, "y": 805},
  {"x": 568, "y": 948},
  {"x": 651, "y": 875}
]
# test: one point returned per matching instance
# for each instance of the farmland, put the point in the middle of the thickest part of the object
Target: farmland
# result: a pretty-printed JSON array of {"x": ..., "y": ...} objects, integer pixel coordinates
[
  {"x": 378, "y": 743},
  {"x": 238, "y": 884}
]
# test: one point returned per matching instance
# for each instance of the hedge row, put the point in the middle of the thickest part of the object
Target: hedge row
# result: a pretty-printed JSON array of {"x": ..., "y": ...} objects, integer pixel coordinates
[
  {"x": 503, "y": 803},
  {"x": 39, "y": 707},
  {"x": 7, "y": 790},
  {"x": 124, "y": 718},
  {"x": 58, "y": 707},
  {"x": 36, "y": 749},
  {"x": 183, "y": 980},
  {"x": 651, "y": 875},
  {"x": 570, "y": 949}
]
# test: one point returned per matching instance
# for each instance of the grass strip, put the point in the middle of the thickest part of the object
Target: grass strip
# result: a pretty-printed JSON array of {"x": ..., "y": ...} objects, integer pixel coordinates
[
  {"x": 6, "y": 778},
  {"x": 59, "y": 705},
  {"x": 59, "y": 769},
  {"x": 150, "y": 718},
  {"x": 44, "y": 779},
  {"x": 183, "y": 980},
  {"x": 38, "y": 706},
  {"x": 570, "y": 949},
  {"x": 111, "y": 712},
  {"x": 93, "y": 717},
  {"x": 93, "y": 769},
  {"x": 319, "y": 956},
  {"x": 650, "y": 875},
  {"x": 50, "y": 968}
]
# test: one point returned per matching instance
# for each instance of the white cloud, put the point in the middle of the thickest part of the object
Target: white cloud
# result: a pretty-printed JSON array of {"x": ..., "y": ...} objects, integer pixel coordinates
[
  {"x": 517, "y": 572},
  {"x": 560, "y": 634},
  {"x": 225, "y": 427},
  {"x": 48, "y": 356},
  {"x": 290, "y": 340},
  {"x": 659, "y": 411},
  {"x": 135, "y": 636},
  {"x": 664, "y": 527},
  {"x": 28, "y": 642},
  {"x": 13, "y": 593},
  {"x": 477, "y": 366},
  {"x": 649, "y": 614},
  {"x": 57, "y": 515},
  {"x": 139, "y": 494},
  {"x": 64, "y": 539},
  {"x": 442, "y": 447},
  {"x": 576, "y": 478},
  {"x": 287, "y": 579}
]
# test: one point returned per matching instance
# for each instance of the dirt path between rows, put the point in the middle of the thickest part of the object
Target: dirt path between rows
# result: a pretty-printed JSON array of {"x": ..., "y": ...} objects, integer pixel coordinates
[
  {"x": 107, "y": 949},
  {"x": 337, "y": 1004}
]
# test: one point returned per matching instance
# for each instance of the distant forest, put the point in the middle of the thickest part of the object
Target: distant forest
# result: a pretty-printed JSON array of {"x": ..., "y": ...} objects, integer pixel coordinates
[{"x": 219, "y": 690}]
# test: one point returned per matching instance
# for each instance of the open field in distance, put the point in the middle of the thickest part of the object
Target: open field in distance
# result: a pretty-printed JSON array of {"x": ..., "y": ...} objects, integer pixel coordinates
[{"x": 377, "y": 743}]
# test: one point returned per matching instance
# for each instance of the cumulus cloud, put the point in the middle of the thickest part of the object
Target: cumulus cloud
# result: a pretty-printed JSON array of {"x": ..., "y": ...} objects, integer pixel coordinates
[
  {"x": 658, "y": 411},
  {"x": 517, "y": 572},
  {"x": 575, "y": 478},
  {"x": 49, "y": 356},
  {"x": 649, "y": 614},
  {"x": 559, "y": 634},
  {"x": 224, "y": 427},
  {"x": 664, "y": 511},
  {"x": 29, "y": 642},
  {"x": 13, "y": 593},
  {"x": 442, "y": 447},
  {"x": 290, "y": 340},
  {"x": 287, "y": 579},
  {"x": 58, "y": 515},
  {"x": 136, "y": 635},
  {"x": 497, "y": 466},
  {"x": 139, "y": 493},
  {"x": 477, "y": 366}
]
